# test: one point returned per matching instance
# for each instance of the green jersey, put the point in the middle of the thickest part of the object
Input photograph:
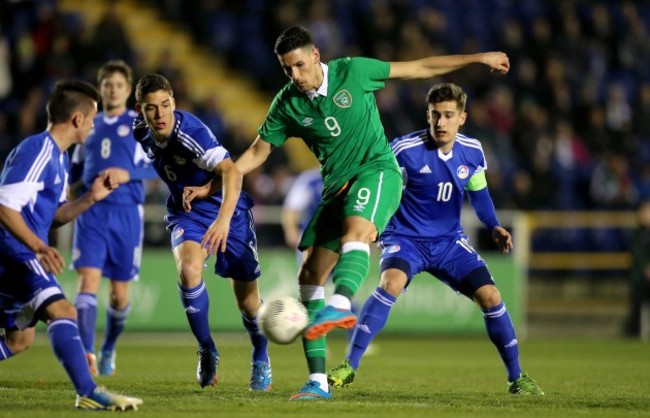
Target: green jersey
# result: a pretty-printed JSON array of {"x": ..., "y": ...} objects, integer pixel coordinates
[{"x": 342, "y": 129}]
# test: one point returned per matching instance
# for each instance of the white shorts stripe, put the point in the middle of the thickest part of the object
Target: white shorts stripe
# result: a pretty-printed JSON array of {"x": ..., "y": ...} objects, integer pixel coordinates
[
  {"x": 374, "y": 209},
  {"x": 26, "y": 315}
]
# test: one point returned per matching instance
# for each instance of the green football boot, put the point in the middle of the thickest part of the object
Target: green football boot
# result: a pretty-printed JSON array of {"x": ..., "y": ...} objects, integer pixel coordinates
[
  {"x": 341, "y": 375},
  {"x": 524, "y": 386}
]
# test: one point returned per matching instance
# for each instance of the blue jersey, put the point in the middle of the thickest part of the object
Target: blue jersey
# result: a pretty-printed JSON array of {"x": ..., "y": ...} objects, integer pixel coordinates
[
  {"x": 111, "y": 144},
  {"x": 305, "y": 195},
  {"x": 434, "y": 185},
  {"x": 33, "y": 182},
  {"x": 188, "y": 158}
]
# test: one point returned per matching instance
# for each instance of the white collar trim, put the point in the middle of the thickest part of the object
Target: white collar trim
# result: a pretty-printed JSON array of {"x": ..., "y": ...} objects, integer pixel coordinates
[{"x": 322, "y": 90}]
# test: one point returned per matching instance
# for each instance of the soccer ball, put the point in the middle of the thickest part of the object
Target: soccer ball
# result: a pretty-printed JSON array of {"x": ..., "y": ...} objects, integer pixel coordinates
[{"x": 282, "y": 319}]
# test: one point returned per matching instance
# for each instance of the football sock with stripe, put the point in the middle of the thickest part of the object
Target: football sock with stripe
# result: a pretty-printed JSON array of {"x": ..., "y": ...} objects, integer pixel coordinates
[
  {"x": 197, "y": 306},
  {"x": 258, "y": 339},
  {"x": 313, "y": 297},
  {"x": 352, "y": 268},
  {"x": 502, "y": 334},
  {"x": 86, "y": 305},
  {"x": 64, "y": 339},
  {"x": 115, "y": 322},
  {"x": 372, "y": 320},
  {"x": 5, "y": 351}
]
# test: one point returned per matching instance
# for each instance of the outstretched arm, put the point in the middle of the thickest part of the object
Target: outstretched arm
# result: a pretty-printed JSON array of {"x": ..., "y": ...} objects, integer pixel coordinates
[
  {"x": 254, "y": 156},
  {"x": 434, "y": 66},
  {"x": 102, "y": 186},
  {"x": 216, "y": 237}
]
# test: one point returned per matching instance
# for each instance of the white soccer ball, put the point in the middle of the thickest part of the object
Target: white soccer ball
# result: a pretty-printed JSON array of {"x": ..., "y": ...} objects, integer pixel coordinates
[{"x": 282, "y": 319}]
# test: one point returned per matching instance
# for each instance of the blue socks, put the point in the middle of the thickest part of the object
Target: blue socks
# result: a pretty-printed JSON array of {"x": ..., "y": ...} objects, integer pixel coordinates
[
  {"x": 372, "y": 320},
  {"x": 257, "y": 339},
  {"x": 197, "y": 305},
  {"x": 86, "y": 305},
  {"x": 64, "y": 339},
  {"x": 115, "y": 322},
  {"x": 5, "y": 351},
  {"x": 502, "y": 334}
]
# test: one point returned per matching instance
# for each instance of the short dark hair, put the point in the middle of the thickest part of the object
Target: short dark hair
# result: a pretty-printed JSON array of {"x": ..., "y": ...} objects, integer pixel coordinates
[
  {"x": 292, "y": 38},
  {"x": 447, "y": 92},
  {"x": 70, "y": 96},
  {"x": 115, "y": 66},
  {"x": 150, "y": 83}
]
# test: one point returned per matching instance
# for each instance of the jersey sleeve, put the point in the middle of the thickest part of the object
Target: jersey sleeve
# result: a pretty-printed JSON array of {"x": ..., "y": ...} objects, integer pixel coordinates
[
  {"x": 22, "y": 175},
  {"x": 477, "y": 181},
  {"x": 204, "y": 145},
  {"x": 370, "y": 73},
  {"x": 274, "y": 127}
]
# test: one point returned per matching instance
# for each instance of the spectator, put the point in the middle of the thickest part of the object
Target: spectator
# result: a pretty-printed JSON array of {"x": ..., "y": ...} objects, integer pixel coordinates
[{"x": 639, "y": 314}]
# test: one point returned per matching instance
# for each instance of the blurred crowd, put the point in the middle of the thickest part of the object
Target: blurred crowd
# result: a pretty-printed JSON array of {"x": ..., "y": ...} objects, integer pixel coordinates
[{"x": 568, "y": 127}]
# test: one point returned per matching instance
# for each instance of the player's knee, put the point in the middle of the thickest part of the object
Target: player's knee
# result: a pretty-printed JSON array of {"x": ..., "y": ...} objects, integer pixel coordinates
[
  {"x": 487, "y": 296},
  {"x": 88, "y": 280},
  {"x": 393, "y": 280},
  {"x": 392, "y": 286},
  {"x": 359, "y": 230},
  {"x": 190, "y": 271},
  {"x": 60, "y": 309},
  {"x": 118, "y": 300},
  {"x": 362, "y": 235}
]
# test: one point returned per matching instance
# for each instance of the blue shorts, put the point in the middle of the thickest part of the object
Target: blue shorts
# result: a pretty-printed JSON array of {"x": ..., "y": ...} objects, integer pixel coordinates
[
  {"x": 240, "y": 261},
  {"x": 109, "y": 237},
  {"x": 25, "y": 290},
  {"x": 452, "y": 260}
]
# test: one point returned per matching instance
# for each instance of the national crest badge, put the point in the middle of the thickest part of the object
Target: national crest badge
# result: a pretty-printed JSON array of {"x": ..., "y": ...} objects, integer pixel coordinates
[
  {"x": 343, "y": 99},
  {"x": 462, "y": 172}
]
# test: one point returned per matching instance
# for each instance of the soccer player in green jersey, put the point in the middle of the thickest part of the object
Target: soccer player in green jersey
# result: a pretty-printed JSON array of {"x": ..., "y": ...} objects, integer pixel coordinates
[{"x": 332, "y": 108}]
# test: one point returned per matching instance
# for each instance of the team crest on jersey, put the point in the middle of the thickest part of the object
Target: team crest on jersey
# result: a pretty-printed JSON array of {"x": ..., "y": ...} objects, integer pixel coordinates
[
  {"x": 343, "y": 99},
  {"x": 393, "y": 249},
  {"x": 462, "y": 172},
  {"x": 123, "y": 130},
  {"x": 179, "y": 160}
]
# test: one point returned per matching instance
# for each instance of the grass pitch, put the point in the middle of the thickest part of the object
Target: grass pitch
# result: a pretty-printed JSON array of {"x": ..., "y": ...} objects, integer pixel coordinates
[{"x": 409, "y": 376}]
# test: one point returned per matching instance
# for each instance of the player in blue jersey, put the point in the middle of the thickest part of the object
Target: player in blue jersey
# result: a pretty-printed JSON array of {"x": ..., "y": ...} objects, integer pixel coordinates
[
  {"x": 108, "y": 237},
  {"x": 186, "y": 153},
  {"x": 300, "y": 204},
  {"x": 33, "y": 199},
  {"x": 439, "y": 166}
]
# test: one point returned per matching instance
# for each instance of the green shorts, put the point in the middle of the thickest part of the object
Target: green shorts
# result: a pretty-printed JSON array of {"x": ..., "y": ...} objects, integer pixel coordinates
[{"x": 373, "y": 195}]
